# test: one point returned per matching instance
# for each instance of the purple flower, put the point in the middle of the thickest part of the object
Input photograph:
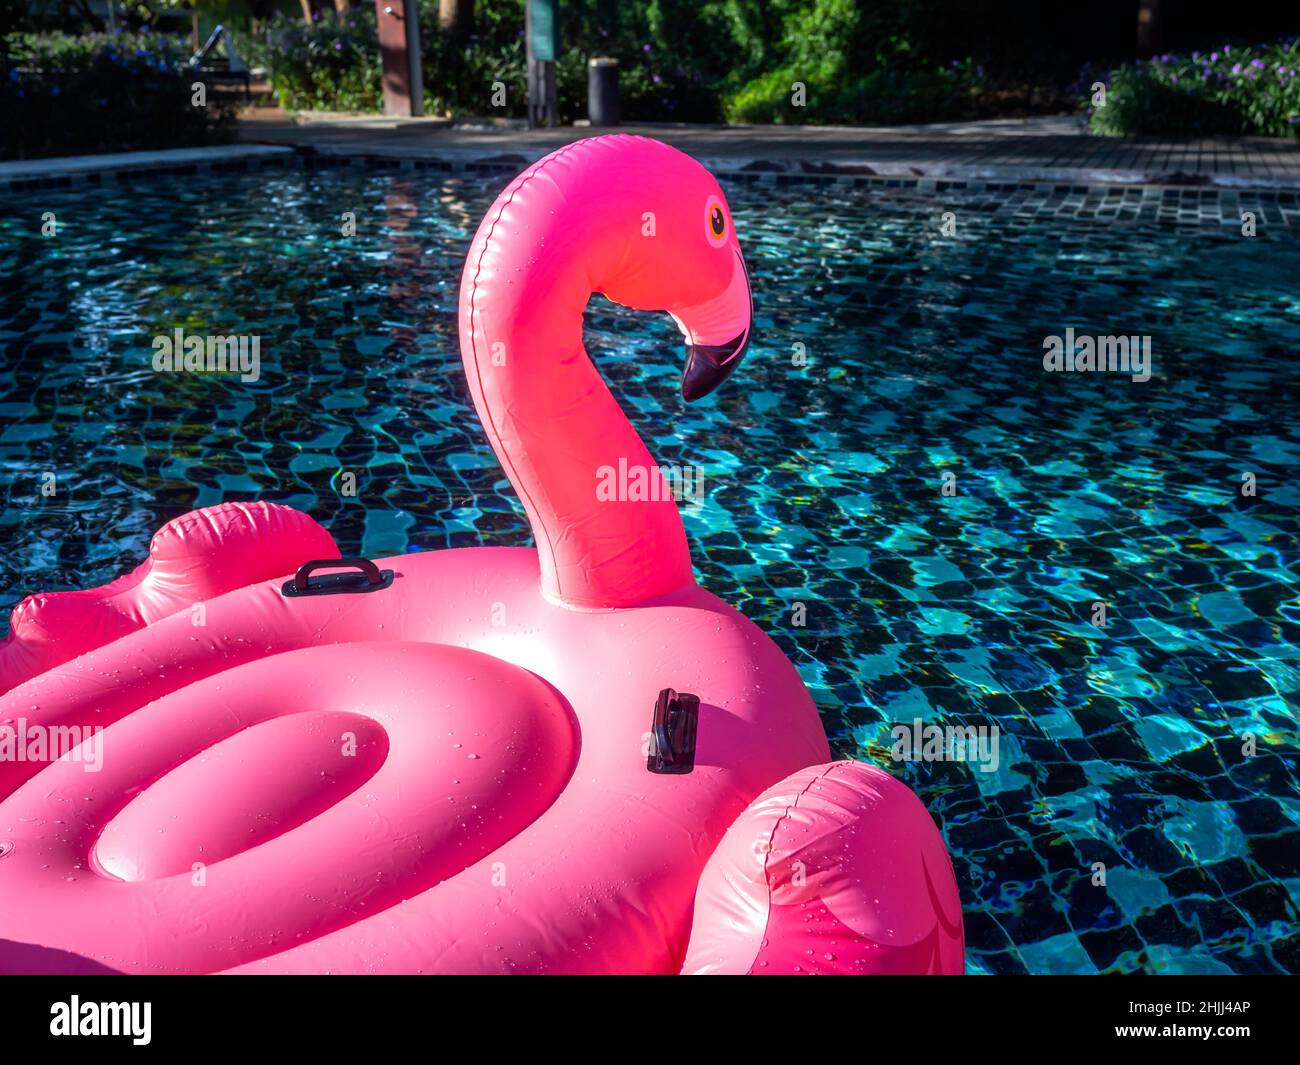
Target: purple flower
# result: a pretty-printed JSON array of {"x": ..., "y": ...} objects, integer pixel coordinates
[
  {"x": 1236, "y": 68},
  {"x": 1258, "y": 64},
  {"x": 645, "y": 47},
  {"x": 1214, "y": 57},
  {"x": 656, "y": 79}
]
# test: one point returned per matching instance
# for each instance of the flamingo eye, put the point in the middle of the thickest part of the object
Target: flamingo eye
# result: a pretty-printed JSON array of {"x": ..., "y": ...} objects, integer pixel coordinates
[{"x": 715, "y": 218}]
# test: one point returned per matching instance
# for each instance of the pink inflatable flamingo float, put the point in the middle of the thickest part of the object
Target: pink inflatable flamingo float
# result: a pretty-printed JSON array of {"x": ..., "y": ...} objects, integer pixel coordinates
[{"x": 464, "y": 761}]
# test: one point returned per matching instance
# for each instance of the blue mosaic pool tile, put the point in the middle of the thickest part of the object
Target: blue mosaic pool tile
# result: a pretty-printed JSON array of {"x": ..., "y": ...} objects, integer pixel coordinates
[{"x": 1122, "y": 745}]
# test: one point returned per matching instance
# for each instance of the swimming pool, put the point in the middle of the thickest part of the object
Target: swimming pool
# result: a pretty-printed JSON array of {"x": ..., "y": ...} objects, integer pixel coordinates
[{"x": 941, "y": 513}]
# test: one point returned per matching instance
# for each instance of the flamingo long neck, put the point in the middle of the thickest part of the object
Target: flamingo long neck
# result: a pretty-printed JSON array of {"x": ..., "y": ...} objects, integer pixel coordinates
[{"x": 560, "y": 435}]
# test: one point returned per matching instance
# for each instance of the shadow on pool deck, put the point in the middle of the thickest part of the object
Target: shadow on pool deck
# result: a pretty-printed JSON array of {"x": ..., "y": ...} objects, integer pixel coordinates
[{"x": 1036, "y": 149}]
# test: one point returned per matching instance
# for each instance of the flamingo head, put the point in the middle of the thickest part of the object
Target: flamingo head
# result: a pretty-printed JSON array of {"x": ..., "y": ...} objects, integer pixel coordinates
[{"x": 685, "y": 259}]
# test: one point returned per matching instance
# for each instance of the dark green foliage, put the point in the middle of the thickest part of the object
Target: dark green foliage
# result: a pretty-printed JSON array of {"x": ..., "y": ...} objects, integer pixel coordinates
[
  {"x": 679, "y": 61},
  {"x": 62, "y": 94},
  {"x": 1230, "y": 89}
]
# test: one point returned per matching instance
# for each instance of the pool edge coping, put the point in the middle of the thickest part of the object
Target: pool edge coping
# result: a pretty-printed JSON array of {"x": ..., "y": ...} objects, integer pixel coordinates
[{"x": 69, "y": 171}]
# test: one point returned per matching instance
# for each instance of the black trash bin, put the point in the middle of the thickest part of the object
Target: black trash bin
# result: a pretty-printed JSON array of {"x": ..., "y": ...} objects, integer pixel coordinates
[{"x": 602, "y": 91}]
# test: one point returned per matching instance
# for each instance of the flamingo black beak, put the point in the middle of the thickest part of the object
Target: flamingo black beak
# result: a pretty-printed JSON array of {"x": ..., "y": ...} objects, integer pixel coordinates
[{"x": 717, "y": 335}]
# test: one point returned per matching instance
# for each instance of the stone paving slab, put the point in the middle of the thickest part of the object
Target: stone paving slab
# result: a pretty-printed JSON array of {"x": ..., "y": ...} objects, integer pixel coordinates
[{"x": 1042, "y": 149}]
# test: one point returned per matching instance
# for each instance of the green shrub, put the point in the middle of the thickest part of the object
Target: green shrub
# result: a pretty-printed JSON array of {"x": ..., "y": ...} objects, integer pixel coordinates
[
  {"x": 334, "y": 65},
  {"x": 883, "y": 96},
  {"x": 459, "y": 73},
  {"x": 679, "y": 60},
  {"x": 331, "y": 65},
  {"x": 1254, "y": 90},
  {"x": 853, "y": 67},
  {"x": 62, "y": 94}
]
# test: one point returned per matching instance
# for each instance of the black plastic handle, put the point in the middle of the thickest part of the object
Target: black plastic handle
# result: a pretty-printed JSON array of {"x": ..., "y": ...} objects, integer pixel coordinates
[
  {"x": 673, "y": 732},
  {"x": 370, "y": 578}
]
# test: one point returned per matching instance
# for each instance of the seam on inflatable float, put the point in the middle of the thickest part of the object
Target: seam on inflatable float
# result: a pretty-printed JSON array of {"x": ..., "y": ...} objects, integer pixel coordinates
[
  {"x": 767, "y": 918},
  {"x": 473, "y": 295}
]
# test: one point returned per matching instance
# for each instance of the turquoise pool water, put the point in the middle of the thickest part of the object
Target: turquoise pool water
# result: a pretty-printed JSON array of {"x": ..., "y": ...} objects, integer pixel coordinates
[{"x": 946, "y": 512}]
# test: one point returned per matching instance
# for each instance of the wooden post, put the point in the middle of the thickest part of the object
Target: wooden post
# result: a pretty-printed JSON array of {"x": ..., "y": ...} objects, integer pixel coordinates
[
  {"x": 540, "y": 36},
  {"x": 399, "y": 47},
  {"x": 1149, "y": 28}
]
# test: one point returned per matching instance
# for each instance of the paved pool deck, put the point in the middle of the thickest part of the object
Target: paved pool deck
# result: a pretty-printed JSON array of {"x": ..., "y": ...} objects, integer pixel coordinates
[{"x": 1037, "y": 149}]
